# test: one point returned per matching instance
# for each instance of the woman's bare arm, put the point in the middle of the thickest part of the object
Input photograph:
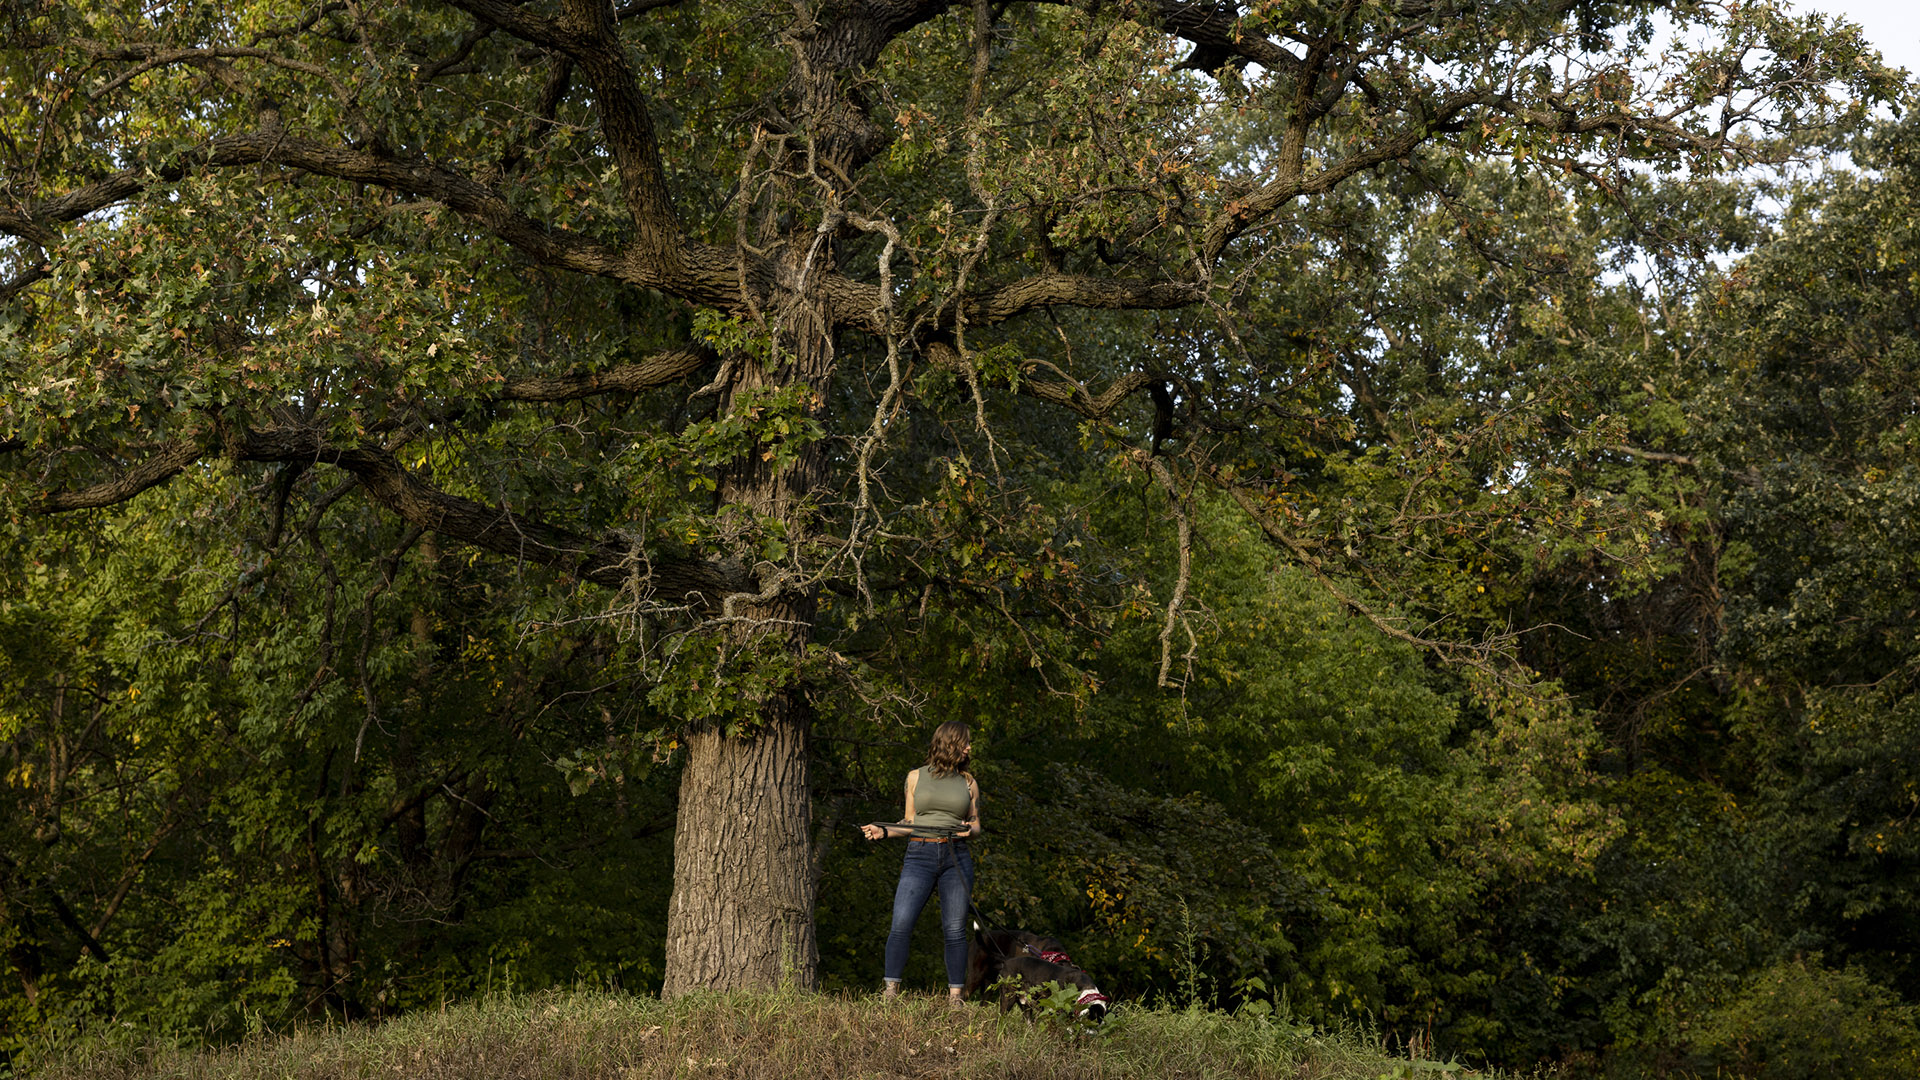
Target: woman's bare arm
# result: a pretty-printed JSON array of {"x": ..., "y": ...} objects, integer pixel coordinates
[
  {"x": 973, "y": 807},
  {"x": 885, "y": 832}
]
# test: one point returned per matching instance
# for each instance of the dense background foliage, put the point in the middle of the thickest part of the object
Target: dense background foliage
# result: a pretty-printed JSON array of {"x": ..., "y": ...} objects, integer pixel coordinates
[{"x": 1542, "y": 686}]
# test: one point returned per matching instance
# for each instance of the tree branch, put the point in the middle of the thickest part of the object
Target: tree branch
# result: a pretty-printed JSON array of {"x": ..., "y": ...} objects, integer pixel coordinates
[
  {"x": 655, "y": 371},
  {"x": 459, "y": 55},
  {"x": 10, "y": 289},
  {"x": 1075, "y": 290},
  {"x": 72, "y": 922},
  {"x": 1183, "y": 578},
  {"x": 1215, "y": 30},
  {"x": 132, "y": 873},
  {"x": 172, "y": 460},
  {"x": 272, "y": 145},
  {"x": 1075, "y": 395},
  {"x": 586, "y": 33},
  {"x": 153, "y": 56},
  {"x": 1237, "y": 216},
  {"x": 1066, "y": 392},
  {"x": 1481, "y": 657},
  {"x": 610, "y": 561},
  {"x": 1653, "y": 455}
]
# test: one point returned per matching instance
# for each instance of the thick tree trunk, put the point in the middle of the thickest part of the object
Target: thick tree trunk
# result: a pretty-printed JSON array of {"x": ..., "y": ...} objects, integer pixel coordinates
[
  {"x": 742, "y": 909},
  {"x": 741, "y": 915}
]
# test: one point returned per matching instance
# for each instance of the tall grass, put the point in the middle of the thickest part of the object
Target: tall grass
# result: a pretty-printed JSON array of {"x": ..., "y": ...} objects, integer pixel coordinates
[{"x": 559, "y": 1035}]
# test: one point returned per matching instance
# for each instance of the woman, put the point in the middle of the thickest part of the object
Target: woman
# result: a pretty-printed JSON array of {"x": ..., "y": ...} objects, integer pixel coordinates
[{"x": 943, "y": 810}]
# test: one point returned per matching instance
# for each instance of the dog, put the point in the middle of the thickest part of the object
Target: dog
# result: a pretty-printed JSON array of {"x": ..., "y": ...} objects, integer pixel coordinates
[{"x": 1034, "y": 961}]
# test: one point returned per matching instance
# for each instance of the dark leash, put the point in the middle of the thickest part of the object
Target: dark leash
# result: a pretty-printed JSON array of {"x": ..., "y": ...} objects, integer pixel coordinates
[
  {"x": 1092, "y": 998},
  {"x": 948, "y": 854},
  {"x": 904, "y": 825},
  {"x": 979, "y": 919}
]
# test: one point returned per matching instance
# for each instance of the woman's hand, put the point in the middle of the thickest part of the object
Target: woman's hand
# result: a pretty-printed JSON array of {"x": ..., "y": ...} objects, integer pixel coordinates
[{"x": 874, "y": 832}]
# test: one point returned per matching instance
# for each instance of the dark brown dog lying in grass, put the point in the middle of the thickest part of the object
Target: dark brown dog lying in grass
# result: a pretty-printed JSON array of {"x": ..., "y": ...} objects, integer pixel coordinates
[{"x": 1033, "y": 961}]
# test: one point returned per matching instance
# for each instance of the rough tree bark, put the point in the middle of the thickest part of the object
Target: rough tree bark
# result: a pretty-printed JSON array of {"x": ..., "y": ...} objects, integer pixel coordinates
[{"x": 741, "y": 916}]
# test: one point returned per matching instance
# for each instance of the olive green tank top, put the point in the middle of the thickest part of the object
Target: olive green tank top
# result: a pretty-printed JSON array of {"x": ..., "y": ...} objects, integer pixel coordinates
[{"x": 940, "y": 804}]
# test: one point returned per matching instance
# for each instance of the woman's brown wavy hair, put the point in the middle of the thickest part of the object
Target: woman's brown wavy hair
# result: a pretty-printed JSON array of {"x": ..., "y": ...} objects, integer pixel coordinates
[{"x": 949, "y": 753}]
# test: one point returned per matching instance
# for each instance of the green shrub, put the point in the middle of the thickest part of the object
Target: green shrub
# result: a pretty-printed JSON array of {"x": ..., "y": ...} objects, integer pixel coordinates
[{"x": 1800, "y": 1020}]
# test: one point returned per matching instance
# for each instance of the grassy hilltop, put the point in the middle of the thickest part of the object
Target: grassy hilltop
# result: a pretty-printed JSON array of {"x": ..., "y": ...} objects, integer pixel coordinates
[{"x": 556, "y": 1036}]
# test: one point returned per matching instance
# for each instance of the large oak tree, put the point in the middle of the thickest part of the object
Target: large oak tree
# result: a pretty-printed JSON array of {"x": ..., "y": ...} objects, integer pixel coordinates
[{"x": 651, "y": 293}]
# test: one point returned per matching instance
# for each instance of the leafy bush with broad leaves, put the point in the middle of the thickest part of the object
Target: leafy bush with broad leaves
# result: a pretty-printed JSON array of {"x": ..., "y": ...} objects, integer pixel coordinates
[{"x": 1798, "y": 1019}]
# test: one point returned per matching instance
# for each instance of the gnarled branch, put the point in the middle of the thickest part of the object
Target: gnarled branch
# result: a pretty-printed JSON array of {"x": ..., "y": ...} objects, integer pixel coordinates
[
  {"x": 163, "y": 466},
  {"x": 655, "y": 371},
  {"x": 1077, "y": 397},
  {"x": 1064, "y": 391},
  {"x": 608, "y": 560},
  {"x": 586, "y": 33},
  {"x": 1078, "y": 290}
]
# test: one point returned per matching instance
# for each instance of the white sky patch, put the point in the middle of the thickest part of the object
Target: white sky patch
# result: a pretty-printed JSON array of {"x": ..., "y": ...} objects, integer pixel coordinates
[{"x": 1892, "y": 26}]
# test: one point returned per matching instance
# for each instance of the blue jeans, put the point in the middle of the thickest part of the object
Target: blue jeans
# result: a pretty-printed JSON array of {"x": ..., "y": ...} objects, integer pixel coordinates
[{"x": 948, "y": 868}]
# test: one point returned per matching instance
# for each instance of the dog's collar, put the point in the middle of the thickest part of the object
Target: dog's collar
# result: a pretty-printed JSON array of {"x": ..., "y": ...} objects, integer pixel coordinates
[{"x": 1051, "y": 956}]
